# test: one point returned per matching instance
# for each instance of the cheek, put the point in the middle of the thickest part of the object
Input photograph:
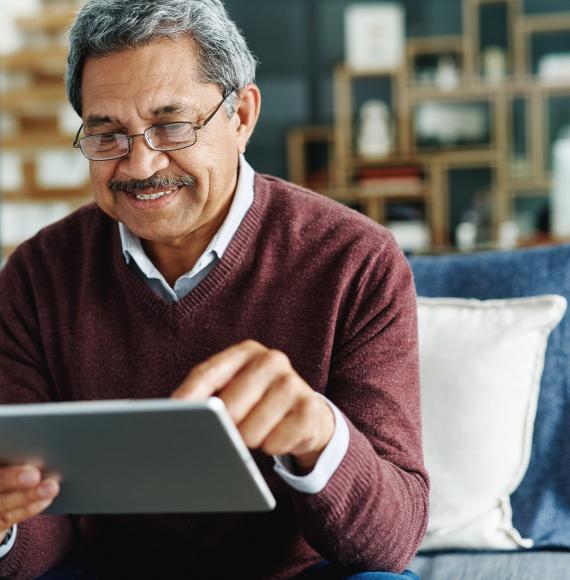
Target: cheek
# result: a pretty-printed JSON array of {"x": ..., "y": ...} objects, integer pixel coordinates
[
  {"x": 100, "y": 176},
  {"x": 196, "y": 164},
  {"x": 101, "y": 173}
]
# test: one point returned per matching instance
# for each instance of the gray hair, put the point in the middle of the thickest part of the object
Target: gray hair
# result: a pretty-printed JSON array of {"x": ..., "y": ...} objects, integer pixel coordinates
[{"x": 106, "y": 26}]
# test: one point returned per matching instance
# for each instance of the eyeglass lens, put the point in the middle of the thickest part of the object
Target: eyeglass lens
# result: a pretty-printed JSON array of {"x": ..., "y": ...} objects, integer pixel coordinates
[
  {"x": 105, "y": 146},
  {"x": 171, "y": 135}
]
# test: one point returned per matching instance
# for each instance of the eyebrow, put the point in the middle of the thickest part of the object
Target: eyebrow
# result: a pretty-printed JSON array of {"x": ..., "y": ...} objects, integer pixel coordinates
[
  {"x": 94, "y": 121},
  {"x": 97, "y": 120},
  {"x": 172, "y": 108}
]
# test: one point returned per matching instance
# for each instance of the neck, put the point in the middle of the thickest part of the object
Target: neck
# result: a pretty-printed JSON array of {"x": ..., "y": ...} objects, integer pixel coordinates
[{"x": 174, "y": 259}]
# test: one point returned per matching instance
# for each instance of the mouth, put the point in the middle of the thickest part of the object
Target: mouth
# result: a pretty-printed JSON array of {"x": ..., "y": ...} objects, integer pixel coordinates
[
  {"x": 152, "y": 199},
  {"x": 155, "y": 195}
]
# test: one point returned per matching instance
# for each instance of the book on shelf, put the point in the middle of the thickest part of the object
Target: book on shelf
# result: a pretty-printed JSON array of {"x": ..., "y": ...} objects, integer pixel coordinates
[{"x": 392, "y": 180}]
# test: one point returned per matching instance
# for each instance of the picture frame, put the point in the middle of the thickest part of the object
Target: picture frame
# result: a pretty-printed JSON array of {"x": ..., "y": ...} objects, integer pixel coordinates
[{"x": 375, "y": 36}]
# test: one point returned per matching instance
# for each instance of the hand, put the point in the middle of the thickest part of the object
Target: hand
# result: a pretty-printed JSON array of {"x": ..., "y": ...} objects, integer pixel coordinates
[
  {"x": 23, "y": 495},
  {"x": 273, "y": 408}
]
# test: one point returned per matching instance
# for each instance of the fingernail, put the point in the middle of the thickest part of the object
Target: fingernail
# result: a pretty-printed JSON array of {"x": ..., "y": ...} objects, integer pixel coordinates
[
  {"x": 29, "y": 477},
  {"x": 47, "y": 488}
]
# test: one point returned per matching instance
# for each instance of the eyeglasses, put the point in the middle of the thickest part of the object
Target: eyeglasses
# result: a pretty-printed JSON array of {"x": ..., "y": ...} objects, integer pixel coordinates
[{"x": 165, "y": 137}]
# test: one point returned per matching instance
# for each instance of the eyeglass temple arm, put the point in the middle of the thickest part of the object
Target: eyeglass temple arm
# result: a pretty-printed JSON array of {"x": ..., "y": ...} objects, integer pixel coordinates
[
  {"x": 76, "y": 140},
  {"x": 211, "y": 115}
]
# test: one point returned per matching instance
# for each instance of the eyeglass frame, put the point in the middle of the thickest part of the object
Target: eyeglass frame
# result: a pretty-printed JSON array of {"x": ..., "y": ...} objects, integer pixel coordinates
[{"x": 129, "y": 138}]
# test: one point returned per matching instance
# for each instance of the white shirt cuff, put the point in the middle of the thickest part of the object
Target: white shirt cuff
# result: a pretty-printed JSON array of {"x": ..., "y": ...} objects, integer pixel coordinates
[
  {"x": 326, "y": 465},
  {"x": 5, "y": 548}
]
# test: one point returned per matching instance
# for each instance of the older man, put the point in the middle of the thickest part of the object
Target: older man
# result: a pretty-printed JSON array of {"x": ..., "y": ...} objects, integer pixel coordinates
[{"x": 193, "y": 276}]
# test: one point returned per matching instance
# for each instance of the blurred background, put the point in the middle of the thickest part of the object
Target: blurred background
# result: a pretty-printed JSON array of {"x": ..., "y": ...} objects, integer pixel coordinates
[{"x": 446, "y": 120}]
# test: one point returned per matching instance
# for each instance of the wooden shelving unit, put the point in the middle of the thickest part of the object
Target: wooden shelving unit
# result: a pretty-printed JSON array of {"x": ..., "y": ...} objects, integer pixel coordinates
[
  {"x": 407, "y": 93},
  {"x": 33, "y": 99}
]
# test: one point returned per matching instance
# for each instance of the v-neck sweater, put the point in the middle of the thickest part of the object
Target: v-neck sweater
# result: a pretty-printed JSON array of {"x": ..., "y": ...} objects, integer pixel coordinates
[{"x": 302, "y": 274}]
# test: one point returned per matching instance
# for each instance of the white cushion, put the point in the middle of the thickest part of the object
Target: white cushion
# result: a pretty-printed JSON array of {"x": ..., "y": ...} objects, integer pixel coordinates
[{"x": 480, "y": 365}]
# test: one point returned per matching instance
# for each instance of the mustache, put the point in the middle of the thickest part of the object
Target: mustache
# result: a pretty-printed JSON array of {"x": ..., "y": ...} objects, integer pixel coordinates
[{"x": 156, "y": 181}]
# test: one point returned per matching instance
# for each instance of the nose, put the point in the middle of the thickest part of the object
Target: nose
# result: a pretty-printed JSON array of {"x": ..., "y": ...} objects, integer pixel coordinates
[{"x": 142, "y": 162}]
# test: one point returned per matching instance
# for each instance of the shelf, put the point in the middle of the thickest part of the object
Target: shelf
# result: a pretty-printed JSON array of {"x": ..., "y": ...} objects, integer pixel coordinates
[
  {"x": 341, "y": 194},
  {"x": 481, "y": 90},
  {"x": 447, "y": 156},
  {"x": 487, "y": 2},
  {"x": 433, "y": 44},
  {"x": 551, "y": 22},
  {"x": 357, "y": 161},
  {"x": 551, "y": 88},
  {"x": 530, "y": 187},
  {"x": 37, "y": 100},
  {"x": 79, "y": 195},
  {"x": 50, "y": 60},
  {"x": 390, "y": 191},
  {"x": 354, "y": 193},
  {"x": 463, "y": 92},
  {"x": 39, "y": 142},
  {"x": 368, "y": 72},
  {"x": 460, "y": 156},
  {"x": 47, "y": 21}
]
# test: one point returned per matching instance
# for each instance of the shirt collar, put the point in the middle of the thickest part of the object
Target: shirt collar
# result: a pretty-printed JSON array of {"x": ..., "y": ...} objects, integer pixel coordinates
[{"x": 243, "y": 198}]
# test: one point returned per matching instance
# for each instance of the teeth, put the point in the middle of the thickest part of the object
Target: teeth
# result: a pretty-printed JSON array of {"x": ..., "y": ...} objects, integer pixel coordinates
[{"x": 151, "y": 196}]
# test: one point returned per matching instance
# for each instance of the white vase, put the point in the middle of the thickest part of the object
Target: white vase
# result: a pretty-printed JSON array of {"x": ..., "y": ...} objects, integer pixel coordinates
[
  {"x": 375, "y": 132},
  {"x": 560, "y": 195}
]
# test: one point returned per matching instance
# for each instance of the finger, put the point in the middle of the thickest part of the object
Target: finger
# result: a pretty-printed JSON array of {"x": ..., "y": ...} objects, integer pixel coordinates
[
  {"x": 24, "y": 513},
  {"x": 213, "y": 374},
  {"x": 9, "y": 502},
  {"x": 269, "y": 412},
  {"x": 299, "y": 432},
  {"x": 248, "y": 388},
  {"x": 19, "y": 476}
]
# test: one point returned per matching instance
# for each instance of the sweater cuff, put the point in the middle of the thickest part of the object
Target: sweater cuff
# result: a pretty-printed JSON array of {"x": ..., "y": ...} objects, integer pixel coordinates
[
  {"x": 9, "y": 541},
  {"x": 326, "y": 465}
]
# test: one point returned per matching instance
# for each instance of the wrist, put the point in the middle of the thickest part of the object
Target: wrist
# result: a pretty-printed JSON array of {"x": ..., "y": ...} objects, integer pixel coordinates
[{"x": 305, "y": 462}]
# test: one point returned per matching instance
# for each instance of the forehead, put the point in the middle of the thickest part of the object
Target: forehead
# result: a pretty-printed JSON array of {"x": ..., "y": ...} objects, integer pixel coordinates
[{"x": 137, "y": 81}]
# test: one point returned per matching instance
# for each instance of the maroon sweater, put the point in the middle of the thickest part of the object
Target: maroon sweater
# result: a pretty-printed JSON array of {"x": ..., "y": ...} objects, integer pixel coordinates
[{"x": 303, "y": 275}]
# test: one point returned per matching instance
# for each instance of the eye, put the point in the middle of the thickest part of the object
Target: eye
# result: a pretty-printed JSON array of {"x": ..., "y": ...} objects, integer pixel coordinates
[
  {"x": 109, "y": 138},
  {"x": 174, "y": 132},
  {"x": 105, "y": 142}
]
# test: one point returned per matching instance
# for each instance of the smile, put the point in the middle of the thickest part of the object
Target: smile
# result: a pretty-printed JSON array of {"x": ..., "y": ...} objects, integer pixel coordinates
[{"x": 152, "y": 196}]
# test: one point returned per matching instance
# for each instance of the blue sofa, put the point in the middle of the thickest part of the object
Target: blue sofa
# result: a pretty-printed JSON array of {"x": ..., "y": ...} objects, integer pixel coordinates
[{"x": 541, "y": 503}]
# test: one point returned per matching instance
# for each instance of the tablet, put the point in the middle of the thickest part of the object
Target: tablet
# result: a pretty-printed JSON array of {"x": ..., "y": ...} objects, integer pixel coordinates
[{"x": 136, "y": 456}]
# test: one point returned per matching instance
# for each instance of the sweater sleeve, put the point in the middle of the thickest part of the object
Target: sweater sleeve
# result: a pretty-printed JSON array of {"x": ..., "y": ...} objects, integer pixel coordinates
[
  {"x": 373, "y": 512},
  {"x": 44, "y": 540}
]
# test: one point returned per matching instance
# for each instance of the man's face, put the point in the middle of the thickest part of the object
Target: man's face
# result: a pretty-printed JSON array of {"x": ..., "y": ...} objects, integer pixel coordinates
[{"x": 131, "y": 90}]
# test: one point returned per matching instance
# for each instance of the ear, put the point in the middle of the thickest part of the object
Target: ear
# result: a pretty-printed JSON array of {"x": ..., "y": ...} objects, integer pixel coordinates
[{"x": 247, "y": 113}]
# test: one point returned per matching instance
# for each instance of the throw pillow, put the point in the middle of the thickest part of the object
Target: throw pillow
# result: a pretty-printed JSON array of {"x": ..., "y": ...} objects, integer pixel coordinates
[{"x": 481, "y": 364}]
